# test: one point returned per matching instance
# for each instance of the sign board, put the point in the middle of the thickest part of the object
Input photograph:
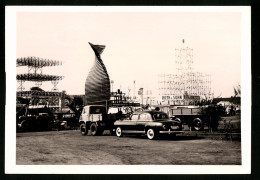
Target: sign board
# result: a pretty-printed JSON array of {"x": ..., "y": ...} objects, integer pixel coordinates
[{"x": 172, "y": 97}]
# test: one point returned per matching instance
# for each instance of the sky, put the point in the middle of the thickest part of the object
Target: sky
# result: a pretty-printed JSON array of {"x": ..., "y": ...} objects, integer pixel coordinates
[{"x": 139, "y": 46}]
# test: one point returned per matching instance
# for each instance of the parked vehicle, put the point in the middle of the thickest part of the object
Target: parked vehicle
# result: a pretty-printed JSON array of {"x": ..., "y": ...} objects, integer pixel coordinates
[
  {"x": 30, "y": 118},
  {"x": 196, "y": 117},
  {"x": 95, "y": 119},
  {"x": 150, "y": 123},
  {"x": 34, "y": 122},
  {"x": 65, "y": 121}
]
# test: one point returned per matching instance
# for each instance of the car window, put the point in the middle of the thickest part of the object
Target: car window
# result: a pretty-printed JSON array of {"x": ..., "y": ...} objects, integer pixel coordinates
[
  {"x": 157, "y": 116},
  {"x": 148, "y": 117},
  {"x": 97, "y": 110},
  {"x": 142, "y": 117},
  {"x": 135, "y": 117},
  {"x": 145, "y": 117}
]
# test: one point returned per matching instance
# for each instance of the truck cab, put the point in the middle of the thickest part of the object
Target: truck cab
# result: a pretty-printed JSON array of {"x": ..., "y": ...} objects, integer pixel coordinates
[{"x": 94, "y": 118}]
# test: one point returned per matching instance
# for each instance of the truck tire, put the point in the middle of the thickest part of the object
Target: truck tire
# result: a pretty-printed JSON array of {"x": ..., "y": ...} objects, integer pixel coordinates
[
  {"x": 94, "y": 129},
  {"x": 151, "y": 134},
  {"x": 178, "y": 119},
  {"x": 83, "y": 129},
  {"x": 198, "y": 124},
  {"x": 119, "y": 132}
]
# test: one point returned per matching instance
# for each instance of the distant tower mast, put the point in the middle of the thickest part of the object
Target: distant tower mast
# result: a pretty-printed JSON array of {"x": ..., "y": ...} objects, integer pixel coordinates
[{"x": 134, "y": 89}]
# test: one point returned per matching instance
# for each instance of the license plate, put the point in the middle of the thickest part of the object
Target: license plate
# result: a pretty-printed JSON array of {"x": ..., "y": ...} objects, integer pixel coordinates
[{"x": 175, "y": 127}]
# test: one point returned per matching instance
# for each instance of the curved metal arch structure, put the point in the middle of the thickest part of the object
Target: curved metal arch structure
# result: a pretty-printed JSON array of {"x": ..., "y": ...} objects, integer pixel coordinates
[{"x": 97, "y": 86}]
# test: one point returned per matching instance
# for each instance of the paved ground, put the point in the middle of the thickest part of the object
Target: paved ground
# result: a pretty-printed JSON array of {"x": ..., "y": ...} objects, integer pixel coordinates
[{"x": 70, "y": 148}]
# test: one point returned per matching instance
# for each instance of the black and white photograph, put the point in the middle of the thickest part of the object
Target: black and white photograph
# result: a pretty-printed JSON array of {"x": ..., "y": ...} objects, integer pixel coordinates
[{"x": 143, "y": 90}]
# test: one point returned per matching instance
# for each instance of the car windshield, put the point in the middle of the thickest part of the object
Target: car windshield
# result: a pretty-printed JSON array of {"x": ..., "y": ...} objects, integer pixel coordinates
[
  {"x": 157, "y": 116},
  {"x": 97, "y": 110}
]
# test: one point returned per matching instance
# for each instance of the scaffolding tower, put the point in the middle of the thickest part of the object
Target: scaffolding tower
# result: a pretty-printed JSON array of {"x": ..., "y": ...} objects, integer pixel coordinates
[
  {"x": 35, "y": 66},
  {"x": 185, "y": 80},
  {"x": 36, "y": 95}
]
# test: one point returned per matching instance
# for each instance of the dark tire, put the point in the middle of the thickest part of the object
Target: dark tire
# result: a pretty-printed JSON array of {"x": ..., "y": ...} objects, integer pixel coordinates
[
  {"x": 151, "y": 134},
  {"x": 119, "y": 132},
  {"x": 178, "y": 119},
  {"x": 198, "y": 124},
  {"x": 94, "y": 129},
  {"x": 83, "y": 129}
]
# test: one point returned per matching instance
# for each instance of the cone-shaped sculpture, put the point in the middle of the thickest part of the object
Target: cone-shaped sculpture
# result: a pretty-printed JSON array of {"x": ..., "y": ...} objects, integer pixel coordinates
[{"x": 97, "y": 86}]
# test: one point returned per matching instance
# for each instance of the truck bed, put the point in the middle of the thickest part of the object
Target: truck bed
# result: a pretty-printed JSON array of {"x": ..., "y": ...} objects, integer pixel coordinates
[{"x": 185, "y": 111}]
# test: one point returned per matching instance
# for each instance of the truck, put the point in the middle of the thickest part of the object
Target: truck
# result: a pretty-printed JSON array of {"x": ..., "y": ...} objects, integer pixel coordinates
[
  {"x": 196, "y": 117},
  {"x": 67, "y": 120},
  {"x": 33, "y": 118},
  {"x": 94, "y": 118}
]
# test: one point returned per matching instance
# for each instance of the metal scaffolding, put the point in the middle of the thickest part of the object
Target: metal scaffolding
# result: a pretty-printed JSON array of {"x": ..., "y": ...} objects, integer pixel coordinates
[
  {"x": 37, "y": 96},
  {"x": 185, "y": 80},
  {"x": 35, "y": 66}
]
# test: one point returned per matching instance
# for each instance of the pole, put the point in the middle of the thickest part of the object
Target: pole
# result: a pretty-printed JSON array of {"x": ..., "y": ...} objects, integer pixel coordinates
[{"x": 134, "y": 89}]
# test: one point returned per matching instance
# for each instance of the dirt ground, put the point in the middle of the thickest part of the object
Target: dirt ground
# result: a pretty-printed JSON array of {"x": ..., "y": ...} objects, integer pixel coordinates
[{"x": 70, "y": 148}]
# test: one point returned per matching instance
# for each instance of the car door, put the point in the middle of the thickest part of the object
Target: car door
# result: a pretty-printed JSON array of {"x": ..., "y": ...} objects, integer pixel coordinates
[
  {"x": 144, "y": 118},
  {"x": 128, "y": 125}
]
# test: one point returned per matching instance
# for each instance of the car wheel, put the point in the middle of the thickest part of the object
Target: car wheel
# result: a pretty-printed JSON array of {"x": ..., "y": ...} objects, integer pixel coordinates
[
  {"x": 151, "y": 134},
  {"x": 94, "y": 129},
  {"x": 83, "y": 130},
  {"x": 197, "y": 124},
  {"x": 119, "y": 132}
]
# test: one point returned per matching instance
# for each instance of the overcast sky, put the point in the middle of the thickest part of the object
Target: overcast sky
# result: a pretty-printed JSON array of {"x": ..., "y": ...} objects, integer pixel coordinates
[{"x": 139, "y": 46}]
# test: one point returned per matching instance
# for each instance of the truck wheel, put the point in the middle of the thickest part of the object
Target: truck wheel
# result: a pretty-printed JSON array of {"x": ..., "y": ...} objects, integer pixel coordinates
[
  {"x": 198, "y": 124},
  {"x": 119, "y": 132},
  {"x": 94, "y": 129},
  {"x": 83, "y": 130},
  {"x": 151, "y": 134},
  {"x": 178, "y": 119}
]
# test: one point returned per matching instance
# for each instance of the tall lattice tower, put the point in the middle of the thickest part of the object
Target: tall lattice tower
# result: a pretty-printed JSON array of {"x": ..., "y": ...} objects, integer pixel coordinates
[
  {"x": 184, "y": 68},
  {"x": 185, "y": 80}
]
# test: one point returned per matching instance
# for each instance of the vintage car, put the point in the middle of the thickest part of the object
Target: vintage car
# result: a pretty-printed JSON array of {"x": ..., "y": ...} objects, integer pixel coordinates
[{"x": 151, "y": 123}]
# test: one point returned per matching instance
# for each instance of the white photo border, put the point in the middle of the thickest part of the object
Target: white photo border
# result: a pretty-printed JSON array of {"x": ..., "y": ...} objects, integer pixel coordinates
[{"x": 10, "y": 68}]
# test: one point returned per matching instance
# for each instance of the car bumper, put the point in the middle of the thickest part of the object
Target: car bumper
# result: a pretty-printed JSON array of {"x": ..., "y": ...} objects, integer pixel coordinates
[{"x": 170, "y": 132}]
